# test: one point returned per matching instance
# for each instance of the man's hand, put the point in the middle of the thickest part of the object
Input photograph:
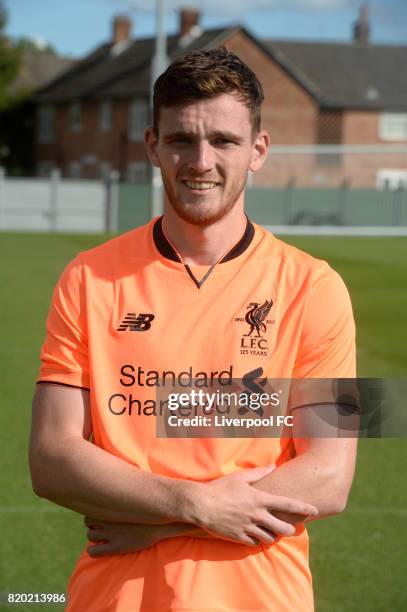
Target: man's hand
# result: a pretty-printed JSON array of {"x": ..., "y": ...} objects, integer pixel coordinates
[
  {"x": 120, "y": 538},
  {"x": 232, "y": 509}
]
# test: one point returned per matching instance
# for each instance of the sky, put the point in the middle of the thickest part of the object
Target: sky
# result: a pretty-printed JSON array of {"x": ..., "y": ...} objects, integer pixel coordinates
[{"x": 75, "y": 27}]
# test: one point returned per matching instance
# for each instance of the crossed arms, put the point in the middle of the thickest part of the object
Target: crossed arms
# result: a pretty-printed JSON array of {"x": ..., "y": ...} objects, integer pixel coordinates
[{"x": 131, "y": 509}]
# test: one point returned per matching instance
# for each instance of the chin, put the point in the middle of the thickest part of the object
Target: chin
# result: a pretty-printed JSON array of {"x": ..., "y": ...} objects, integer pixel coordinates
[
  {"x": 199, "y": 214},
  {"x": 202, "y": 218}
]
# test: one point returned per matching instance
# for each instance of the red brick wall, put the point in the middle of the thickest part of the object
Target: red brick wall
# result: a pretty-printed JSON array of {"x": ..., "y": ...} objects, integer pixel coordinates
[
  {"x": 289, "y": 113},
  {"x": 361, "y": 127},
  {"x": 113, "y": 146}
]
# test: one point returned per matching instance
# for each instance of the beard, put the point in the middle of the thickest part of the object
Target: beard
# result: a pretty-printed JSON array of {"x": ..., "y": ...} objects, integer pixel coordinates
[{"x": 204, "y": 214}]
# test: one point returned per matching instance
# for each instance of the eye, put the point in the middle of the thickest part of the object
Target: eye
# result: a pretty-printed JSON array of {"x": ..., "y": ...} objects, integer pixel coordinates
[
  {"x": 180, "y": 140},
  {"x": 222, "y": 142}
]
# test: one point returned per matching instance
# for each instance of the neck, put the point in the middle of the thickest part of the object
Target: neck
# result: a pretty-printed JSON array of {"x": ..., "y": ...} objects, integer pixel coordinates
[{"x": 203, "y": 246}]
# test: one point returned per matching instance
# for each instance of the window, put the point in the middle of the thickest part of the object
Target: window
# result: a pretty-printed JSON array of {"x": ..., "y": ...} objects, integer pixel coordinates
[
  {"x": 393, "y": 126},
  {"x": 138, "y": 118},
  {"x": 46, "y": 124},
  {"x": 137, "y": 172},
  {"x": 75, "y": 117},
  {"x": 105, "y": 117}
]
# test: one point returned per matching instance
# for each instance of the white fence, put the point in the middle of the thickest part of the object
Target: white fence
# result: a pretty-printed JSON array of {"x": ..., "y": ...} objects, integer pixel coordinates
[{"x": 58, "y": 205}]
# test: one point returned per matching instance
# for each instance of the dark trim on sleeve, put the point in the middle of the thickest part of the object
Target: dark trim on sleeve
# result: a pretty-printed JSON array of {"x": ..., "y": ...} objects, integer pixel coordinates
[
  {"x": 354, "y": 407},
  {"x": 54, "y": 382}
]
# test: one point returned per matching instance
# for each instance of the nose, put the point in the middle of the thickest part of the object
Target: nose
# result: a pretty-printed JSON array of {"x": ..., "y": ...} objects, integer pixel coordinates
[{"x": 202, "y": 157}]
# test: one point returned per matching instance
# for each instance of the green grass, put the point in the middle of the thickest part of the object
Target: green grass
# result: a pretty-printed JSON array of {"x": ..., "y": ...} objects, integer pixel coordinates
[
  {"x": 375, "y": 271},
  {"x": 358, "y": 558}
]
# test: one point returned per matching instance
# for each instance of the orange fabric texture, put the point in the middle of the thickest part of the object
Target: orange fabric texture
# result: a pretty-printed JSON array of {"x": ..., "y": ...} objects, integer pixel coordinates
[{"x": 309, "y": 332}]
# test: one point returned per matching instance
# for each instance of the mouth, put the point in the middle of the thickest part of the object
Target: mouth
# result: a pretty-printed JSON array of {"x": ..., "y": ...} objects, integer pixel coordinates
[{"x": 200, "y": 185}]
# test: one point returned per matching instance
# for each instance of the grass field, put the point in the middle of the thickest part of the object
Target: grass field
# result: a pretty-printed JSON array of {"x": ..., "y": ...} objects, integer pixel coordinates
[{"x": 358, "y": 558}]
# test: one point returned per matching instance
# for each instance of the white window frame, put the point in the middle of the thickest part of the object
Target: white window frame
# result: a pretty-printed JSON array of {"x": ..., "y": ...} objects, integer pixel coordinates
[
  {"x": 75, "y": 117},
  {"x": 105, "y": 115},
  {"x": 393, "y": 126},
  {"x": 138, "y": 118},
  {"x": 46, "y": 123}
]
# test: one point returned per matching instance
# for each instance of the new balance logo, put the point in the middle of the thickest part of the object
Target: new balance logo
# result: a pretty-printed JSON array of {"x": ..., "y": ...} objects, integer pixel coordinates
[{"x": 136, "y": 322}]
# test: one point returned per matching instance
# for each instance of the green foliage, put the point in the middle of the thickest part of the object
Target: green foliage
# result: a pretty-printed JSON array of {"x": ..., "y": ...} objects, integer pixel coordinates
[
  {"x": 27, "y": 44},
  {"x": 10, "y": 62},
  {"x": 3, "y": 16}
]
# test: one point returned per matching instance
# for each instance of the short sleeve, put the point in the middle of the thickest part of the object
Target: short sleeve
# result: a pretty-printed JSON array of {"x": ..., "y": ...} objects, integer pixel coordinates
[
  {"x": 327, "y": 344},
  {"x": 64, "y": 354}
]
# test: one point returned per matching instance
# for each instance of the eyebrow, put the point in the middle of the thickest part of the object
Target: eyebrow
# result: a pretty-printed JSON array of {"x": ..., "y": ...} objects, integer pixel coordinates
[{"x": 216, "y": 134}]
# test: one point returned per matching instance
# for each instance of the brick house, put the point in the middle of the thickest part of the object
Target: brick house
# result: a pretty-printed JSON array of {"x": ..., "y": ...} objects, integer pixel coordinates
[
  {"x": 355, "y": 95},
  {"x": 91, "y": 119}
]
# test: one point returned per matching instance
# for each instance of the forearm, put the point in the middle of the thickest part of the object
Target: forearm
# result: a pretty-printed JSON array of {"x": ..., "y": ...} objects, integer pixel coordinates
[
  {"x": 87, "y": 479},
  {"x": 301, "y": 478},
  {"x": 324, "y": 484}
]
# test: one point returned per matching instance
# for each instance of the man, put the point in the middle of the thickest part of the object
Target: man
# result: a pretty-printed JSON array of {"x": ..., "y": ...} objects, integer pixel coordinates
[{"x": 191, "y": 524}]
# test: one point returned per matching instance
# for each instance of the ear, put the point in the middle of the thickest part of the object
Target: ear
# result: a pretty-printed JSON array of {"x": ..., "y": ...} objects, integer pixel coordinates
[
  {"x": 260, "y": 150},
  {"x": 151, "y": 141}
]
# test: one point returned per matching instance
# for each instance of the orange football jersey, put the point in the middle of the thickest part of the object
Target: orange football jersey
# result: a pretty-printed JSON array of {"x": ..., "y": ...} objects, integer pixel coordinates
[{"x": 126, "y": 314}]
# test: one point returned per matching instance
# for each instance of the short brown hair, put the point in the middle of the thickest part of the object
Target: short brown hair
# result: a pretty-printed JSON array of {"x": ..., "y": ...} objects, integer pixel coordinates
[{"x": 197, "y": 75}]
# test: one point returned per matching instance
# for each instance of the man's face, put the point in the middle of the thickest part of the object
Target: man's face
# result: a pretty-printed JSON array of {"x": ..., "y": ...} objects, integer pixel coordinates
[{"x": 205, "y": 150}]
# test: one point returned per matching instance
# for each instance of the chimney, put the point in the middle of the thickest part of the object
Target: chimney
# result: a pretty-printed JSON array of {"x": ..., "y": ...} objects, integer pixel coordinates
[
  {"x": 188, "y": 21},
  {"x": 361, "y": 26},
  {"x": 121, "y": 29}
]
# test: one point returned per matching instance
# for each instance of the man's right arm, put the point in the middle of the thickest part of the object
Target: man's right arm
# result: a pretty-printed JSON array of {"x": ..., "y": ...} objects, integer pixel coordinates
[{"x": 71, "y": 471}]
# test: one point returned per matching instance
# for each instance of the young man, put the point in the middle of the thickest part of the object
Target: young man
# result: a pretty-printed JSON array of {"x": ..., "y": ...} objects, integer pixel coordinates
[{"x": 191, "y": 524}]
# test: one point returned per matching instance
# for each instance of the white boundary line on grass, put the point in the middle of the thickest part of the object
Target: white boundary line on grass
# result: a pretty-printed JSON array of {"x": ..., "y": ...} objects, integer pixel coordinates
[{"x": 333, "y": 230}]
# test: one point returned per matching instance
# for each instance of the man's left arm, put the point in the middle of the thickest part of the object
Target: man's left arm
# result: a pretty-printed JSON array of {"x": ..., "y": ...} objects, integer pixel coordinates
[
  {"x": 321, "y": 473},
  {"x": 325, "y": 441}
]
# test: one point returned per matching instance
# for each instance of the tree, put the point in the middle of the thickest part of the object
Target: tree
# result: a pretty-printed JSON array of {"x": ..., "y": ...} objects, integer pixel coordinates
[
  {"x": 28, "y": 44},
  {"x": 13, "y": 134},
  {"x": 10, "y": 61}
]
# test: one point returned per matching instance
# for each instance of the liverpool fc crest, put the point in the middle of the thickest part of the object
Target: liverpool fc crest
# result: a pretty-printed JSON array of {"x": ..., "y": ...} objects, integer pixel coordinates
[{"x": 254, "y": 341}]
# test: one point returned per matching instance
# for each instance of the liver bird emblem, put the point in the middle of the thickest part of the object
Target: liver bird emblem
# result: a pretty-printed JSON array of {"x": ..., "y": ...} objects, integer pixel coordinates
[{"x": 256, "y": 315}]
